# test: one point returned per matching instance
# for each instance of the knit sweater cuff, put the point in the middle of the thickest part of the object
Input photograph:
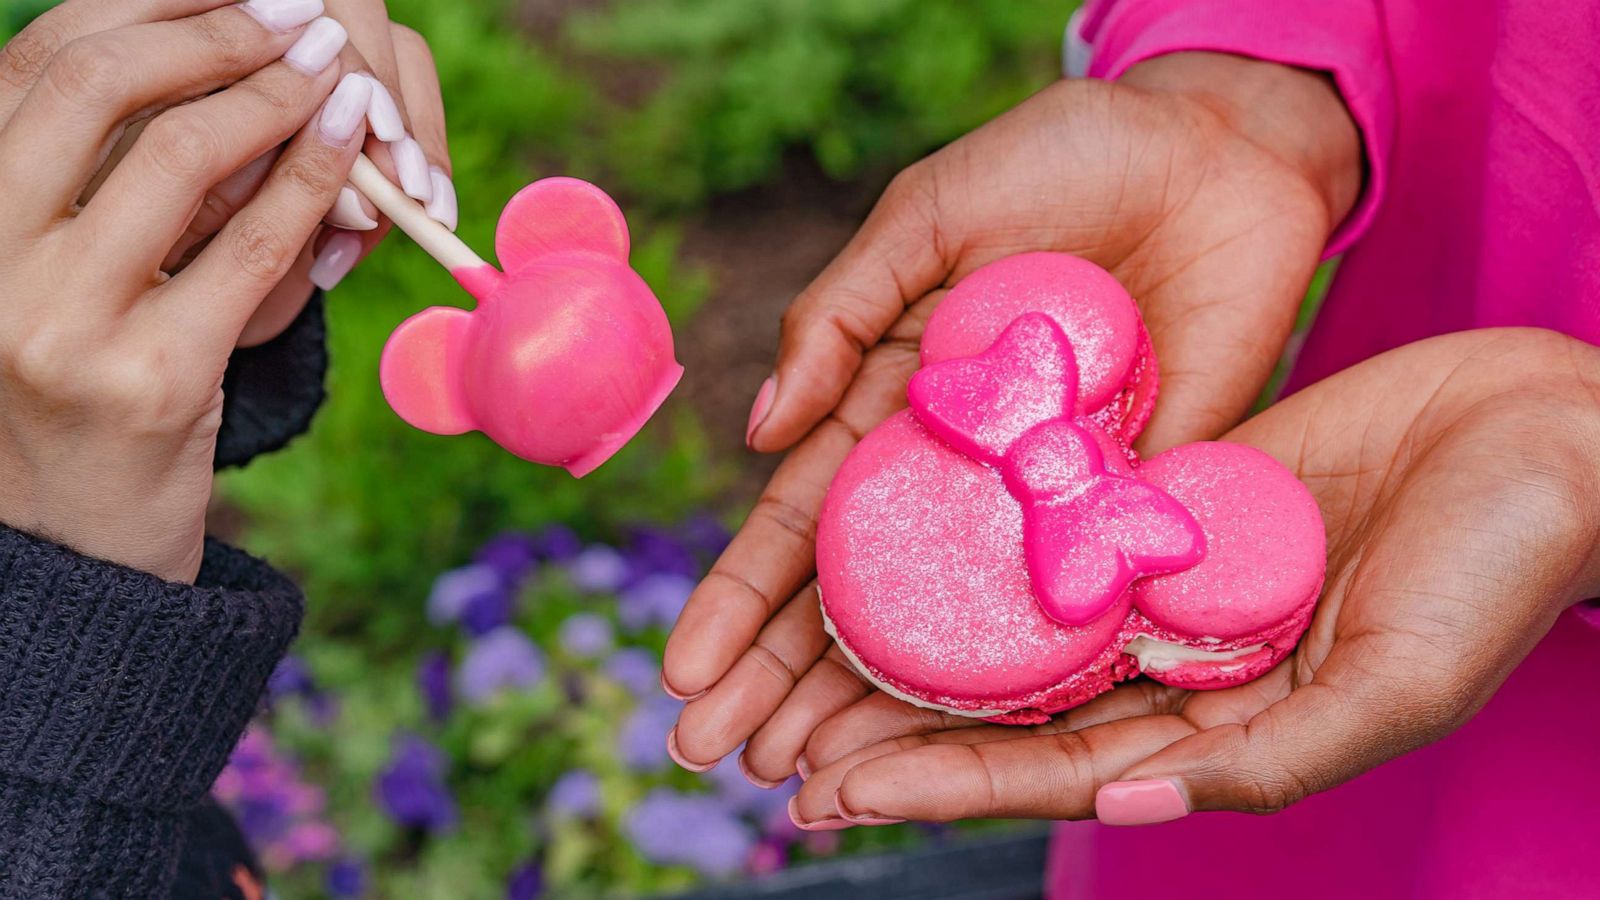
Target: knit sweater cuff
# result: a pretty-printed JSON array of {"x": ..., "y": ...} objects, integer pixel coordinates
[
  {"x": 270, "y": 392},
  {"x": 122, "y": 688}
]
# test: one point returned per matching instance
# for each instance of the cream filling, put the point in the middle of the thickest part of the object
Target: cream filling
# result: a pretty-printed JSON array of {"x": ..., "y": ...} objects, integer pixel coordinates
[
  {"x": 889, "y": 689},
  {"x": 1163, "y": 656}
]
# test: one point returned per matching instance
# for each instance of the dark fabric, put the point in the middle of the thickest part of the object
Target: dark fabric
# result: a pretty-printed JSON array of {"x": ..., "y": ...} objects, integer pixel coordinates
[
  {"x": 270, "y": 392},
  {"x": 123, "y": 696}
]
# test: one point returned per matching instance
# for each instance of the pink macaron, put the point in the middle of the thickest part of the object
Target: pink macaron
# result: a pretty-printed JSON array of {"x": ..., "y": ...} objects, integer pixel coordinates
[{"x": 997, "y": 551}]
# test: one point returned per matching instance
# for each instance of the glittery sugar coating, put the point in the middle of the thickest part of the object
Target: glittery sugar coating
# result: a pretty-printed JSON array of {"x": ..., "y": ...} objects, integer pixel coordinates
[
  {"x": 923, "y": 561},
  {"x": 1088, "y": 532},
  {"x": 1116, "y": 370}
]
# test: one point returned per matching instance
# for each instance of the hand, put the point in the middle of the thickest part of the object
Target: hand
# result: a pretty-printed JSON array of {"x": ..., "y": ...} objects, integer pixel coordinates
[
  {"x": 1458, "y": 483},
  {"x": 111, "y": 370},
  {"x": 1207, "y": 184},
  {"x": 399, "y": 58}
]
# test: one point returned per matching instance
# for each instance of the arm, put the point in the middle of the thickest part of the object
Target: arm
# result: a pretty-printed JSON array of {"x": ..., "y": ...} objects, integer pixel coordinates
[{"x": 1343, "y": 38}]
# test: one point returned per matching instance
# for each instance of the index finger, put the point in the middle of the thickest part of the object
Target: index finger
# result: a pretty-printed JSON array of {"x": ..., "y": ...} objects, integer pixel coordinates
[{"x": 774, "y": 554}]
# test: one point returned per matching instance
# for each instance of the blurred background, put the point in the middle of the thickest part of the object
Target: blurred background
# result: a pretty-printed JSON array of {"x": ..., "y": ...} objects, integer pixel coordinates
[{"x": 473, "y": 709}]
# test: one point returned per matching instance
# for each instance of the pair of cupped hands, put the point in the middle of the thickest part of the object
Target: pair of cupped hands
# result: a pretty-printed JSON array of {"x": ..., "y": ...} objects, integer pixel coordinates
[
  {"x": 1455, "y": 475},
  {"x": 173, "y": 174}
]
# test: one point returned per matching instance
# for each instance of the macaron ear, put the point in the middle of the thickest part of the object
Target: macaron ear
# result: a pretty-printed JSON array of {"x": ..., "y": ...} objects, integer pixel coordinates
[
  {"x": 557, "y": 215},
  {"x": 421, "y": 370},
  {"x": 1266, "y": 549}
]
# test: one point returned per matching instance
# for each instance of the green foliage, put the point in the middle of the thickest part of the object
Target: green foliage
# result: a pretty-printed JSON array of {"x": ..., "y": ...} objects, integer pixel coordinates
[{"x": 857, "y": 83}]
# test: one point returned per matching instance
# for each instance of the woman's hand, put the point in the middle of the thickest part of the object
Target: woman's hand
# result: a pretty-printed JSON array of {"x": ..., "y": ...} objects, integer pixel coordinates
[
  {"x": 1207, "y": 184},
  {"x": 1458, "y": 481},
  {"x": 110, "y": 369}
]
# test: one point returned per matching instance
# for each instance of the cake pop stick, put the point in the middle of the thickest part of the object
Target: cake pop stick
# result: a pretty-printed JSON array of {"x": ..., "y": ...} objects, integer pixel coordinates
[{"x": 568, "y": 352}]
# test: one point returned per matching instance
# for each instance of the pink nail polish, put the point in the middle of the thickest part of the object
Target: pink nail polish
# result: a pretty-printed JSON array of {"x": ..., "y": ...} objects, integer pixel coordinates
[
  {"x": 762, "y": 406},
  {"x": 1139, "y": 802},
  {"x": 677, "y": 755},
  {"x": 802, "y": 768},
  {"x": 337, "y": 258},
  {"x": 349, "y": 213},
  {"x": 674, "y": 693},
  {"x": 385, "y": 114},
  {"x": 819, "y": 825},
  {"x": 344, "y": 112},
  {"x": 318, "y": 47},
  {"x": 755, "y": 779},
  {"x": 412, "y": 164},
  {"x": 442, "y": 208},
  {"x": 283, "y": 15},
  {"x": 859, "y": 819}
]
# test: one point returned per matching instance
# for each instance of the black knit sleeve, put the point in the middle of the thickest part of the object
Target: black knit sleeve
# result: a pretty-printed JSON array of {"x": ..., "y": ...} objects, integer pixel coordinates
[
  {"x": 270, "y": 392},
  {"x": 121, "y": 697}
]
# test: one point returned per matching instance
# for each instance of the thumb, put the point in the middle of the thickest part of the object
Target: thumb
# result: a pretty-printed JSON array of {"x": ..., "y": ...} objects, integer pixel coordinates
[
  {"x": 890, "y": 263},
  {"x": 1350, "y": 719}
]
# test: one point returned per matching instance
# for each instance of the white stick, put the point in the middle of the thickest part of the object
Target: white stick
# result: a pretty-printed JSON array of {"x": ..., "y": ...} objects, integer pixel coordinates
[{"x": 408, "y": 215}]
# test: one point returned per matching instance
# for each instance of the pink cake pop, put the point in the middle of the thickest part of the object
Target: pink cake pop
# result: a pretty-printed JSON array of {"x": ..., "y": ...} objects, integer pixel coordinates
[
  {"x": 994, "y": 552},
  {"x": 568, "y": 353}
]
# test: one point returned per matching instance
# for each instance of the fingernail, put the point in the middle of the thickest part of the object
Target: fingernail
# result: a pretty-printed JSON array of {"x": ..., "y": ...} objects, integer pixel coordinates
[
  {"x": 859, "y": 818},
  {"x": 283, "y": 15},
  {"x": 755, "y": 779},
  {"x": 412, "y": 164},
  {"x": 802, "y": 768},
  {"x": 349, "y": 213},
  {"x": 385, "y": 114},
  {"x": 1139, "y": 802},
  {"x": 442, "y": 208},
  {"x": 318, "y": 47},
  {"x": 677, "y": 755},
  {"x": 819, "y": 825},
  {"x": 345, "y": 110},
  {"x": 674, "y": 694},
  {"x": 762, "y": 406},
  {"x": 337, "y": 258}
]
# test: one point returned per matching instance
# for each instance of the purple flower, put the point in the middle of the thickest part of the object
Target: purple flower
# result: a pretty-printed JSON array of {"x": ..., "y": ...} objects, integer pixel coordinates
[
  {"x": 598, "y": 570},
  {"x": 411, "y": 788},
  {"x": 513, "y": 554},
  {"x": 691, "y": 830},
  {"x": 455, "y": 589},
  {"x": 433, "y": 682},
  {"x": 280, "y": 815},
  {"x": 705, "y": 535},
  {"x": 652, "y": 551},
  {"x": 656, "y": 600},
  {"x": 760, "y": 804},
  {"x": 576, "y": 795},
  {"x": 635, "y": 669},
  {"x": 526, "y": 882},
  {"x": 557, "y": 543},
  {"x": 347, "y": 878},
  {"x": 502, "y": 659},
  {"x": 486, "y": 611},
  {"x": 769, "y": 856},
  {"x": 586, "y": 636},
  {"x": 292, "y": 678},
  {"x": 642, "y": 742}
]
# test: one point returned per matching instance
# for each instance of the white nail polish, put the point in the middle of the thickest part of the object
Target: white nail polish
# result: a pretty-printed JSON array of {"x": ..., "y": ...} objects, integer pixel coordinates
[
  {"x": 385, "y": 114},
  {"x": 412, "y": 165},
  {"x": 442, "y": 208},
  {"x": 349, "y": 214},
  {"x": 336, "y": 260},
  {"x": 318, "y": 47},
  {"x": 345, "y": 110},
  {"x": 283, "y": 15}
]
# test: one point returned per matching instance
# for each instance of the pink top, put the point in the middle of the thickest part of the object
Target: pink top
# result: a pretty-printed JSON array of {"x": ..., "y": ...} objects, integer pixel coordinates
[{"x": 1481, "y": 120}]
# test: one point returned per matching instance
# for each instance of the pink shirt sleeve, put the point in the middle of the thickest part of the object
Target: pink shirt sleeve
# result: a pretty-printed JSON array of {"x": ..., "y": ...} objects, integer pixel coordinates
[{"x": 1342, "y": 37}]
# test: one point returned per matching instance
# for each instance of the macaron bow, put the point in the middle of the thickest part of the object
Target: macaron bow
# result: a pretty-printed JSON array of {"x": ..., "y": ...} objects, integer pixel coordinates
[{"x": 1089, "y": 532}]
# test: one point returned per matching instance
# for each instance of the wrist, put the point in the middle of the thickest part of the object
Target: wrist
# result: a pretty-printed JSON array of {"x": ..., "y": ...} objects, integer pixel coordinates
[{"x": 1296, "y": 115}]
